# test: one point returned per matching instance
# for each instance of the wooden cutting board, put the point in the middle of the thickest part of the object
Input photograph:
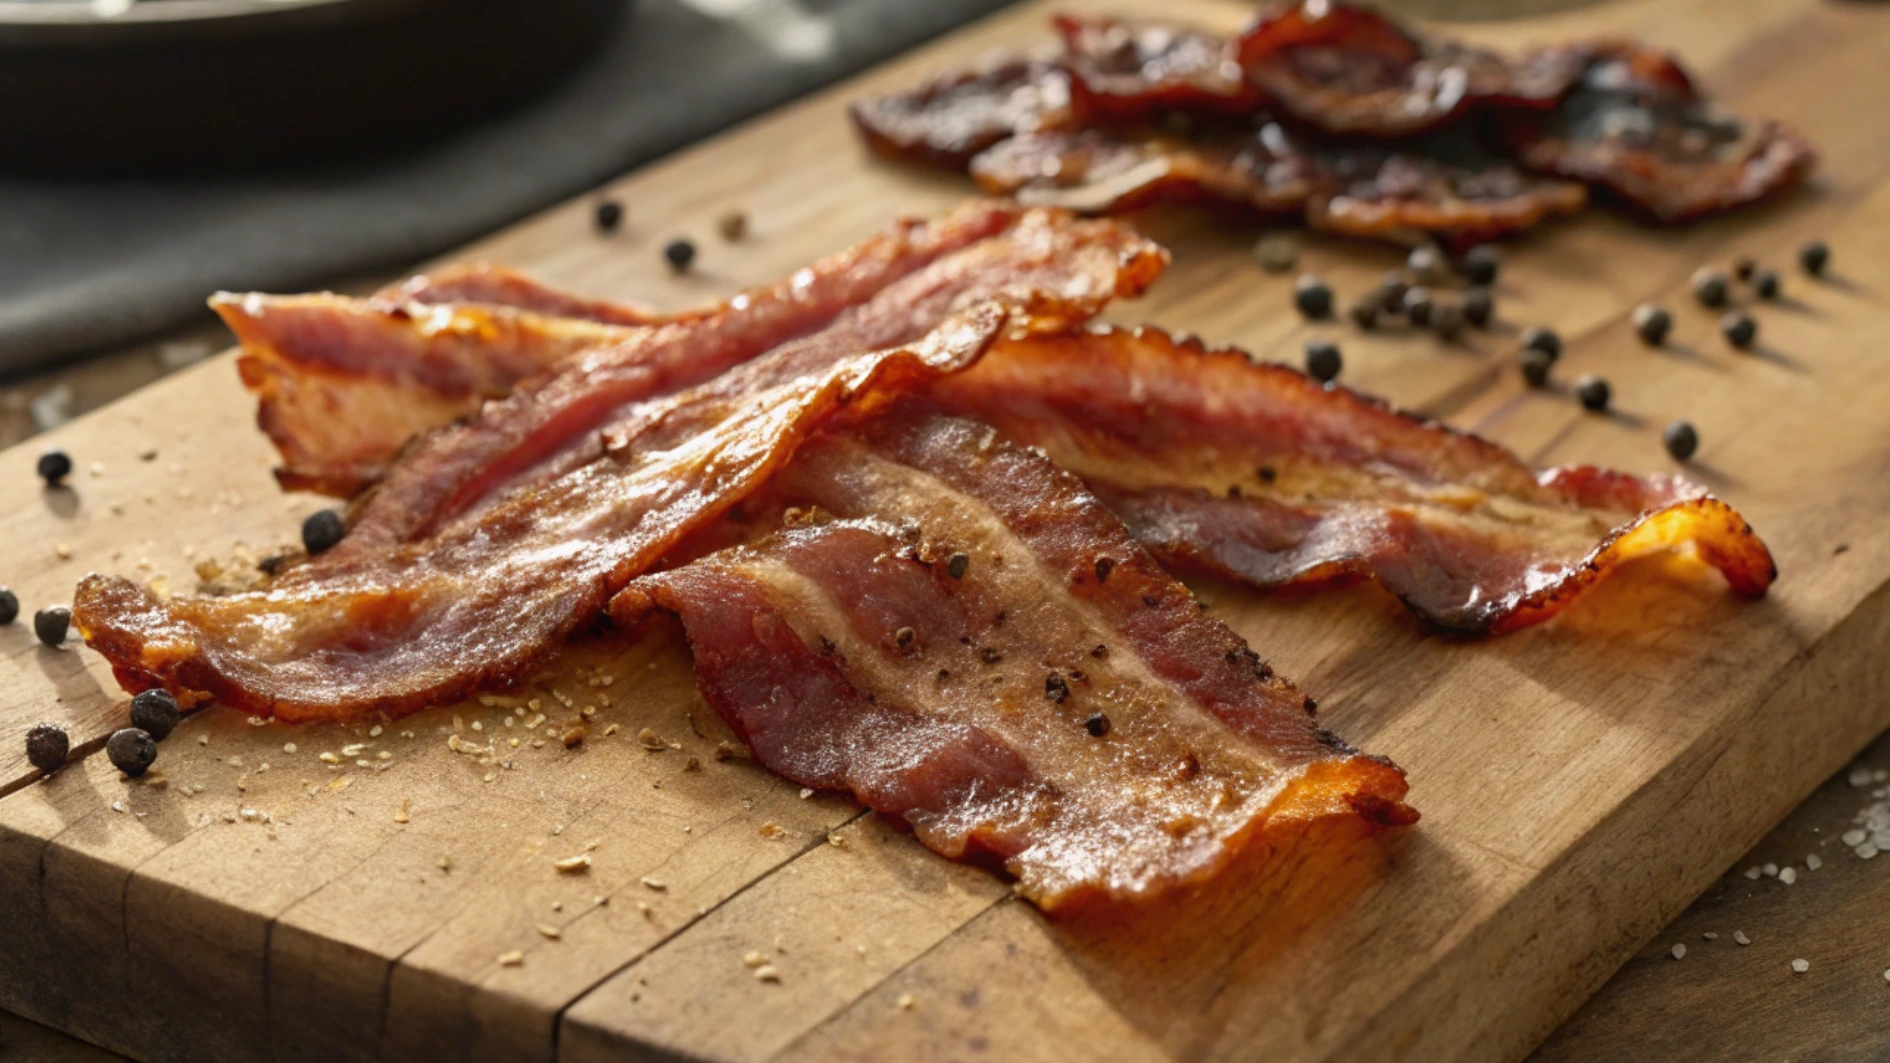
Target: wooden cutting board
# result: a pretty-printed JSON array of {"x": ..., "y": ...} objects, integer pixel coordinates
[{"x": 340, "y": 893}]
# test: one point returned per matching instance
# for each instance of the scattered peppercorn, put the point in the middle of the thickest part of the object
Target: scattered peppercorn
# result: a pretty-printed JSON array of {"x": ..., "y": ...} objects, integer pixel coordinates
[
  {"x": 1765, "y": 283},
  {"x": 1535, "y": 365},
  {"x": 1479, "y": 307},
  {"x": 1815, "y": 256},
  {"x": 155, "y": 712},
  {"x": 1447, "y": 320},
  {"x": 1537, "y": 338},
  {"x": 1055, "y": 688},
  {"x": 1652, "y": 324},
  {"x": 1391, "y": 292},
  {"x": 1739, "y": 328},
  {"x": 54, "y": 467},
  {"x": 1709, "y": 287},
  {"x": 1276, "y": 252},
  {"x": 1104, "y": 566},
  {"x": 733, "y": 225},
  {"x": 1425, "y": 265},
  {"x": 1481, "y": 264},
  {"x": 47, "y": 746},
  {"x": 608, "y": 216},
  {"x": 322, "y": 530},
  {"x": 1417, "y": 305},
  {"x": 1097, "y": 725},
  {"x": 1364, "y": 313},
  {"x": 1681, "y": 440},
  {"x": 1323, "y": 361},
  {"x": 51, "y": 624},
  {"x": 957, "y": 564},
  {"x": 9, "y": 606},
  {"x": 1312, "y": 297},
  {"x": 1743, "y": 268},
  {"x": 131, "y": 751},
  {"x": 680, "y": 253},
  {"x": 1594, "y": 393}
]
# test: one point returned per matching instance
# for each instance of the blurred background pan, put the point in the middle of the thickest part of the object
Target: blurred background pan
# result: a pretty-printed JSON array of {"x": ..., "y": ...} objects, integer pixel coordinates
[{"x": 125, "y": 87}]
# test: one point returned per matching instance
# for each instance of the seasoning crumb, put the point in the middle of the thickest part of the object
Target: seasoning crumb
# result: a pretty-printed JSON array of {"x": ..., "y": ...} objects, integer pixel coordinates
[
  {"x": 650, "y": 740},
  {"x": 515, "y": 958},
  {"x": 656, "y": 884},
  {"x": 733, "y": 225},
  {"x": 573, "y": 864},
  {"x": 906, "y": 1002},
  {"x": 1710, "y": 936},
  {"x": 754, "y": 958},
  {"x": 1740, "y": 937},
  {"x": 446, "y": 863},
  {"x": 1679, "y": 951},
  {"x": 767, "y": 973},
  {"x": 551, "y": 932},
  {"x": 1276, "y": 252},
  {"x": 806, "y": 792}
]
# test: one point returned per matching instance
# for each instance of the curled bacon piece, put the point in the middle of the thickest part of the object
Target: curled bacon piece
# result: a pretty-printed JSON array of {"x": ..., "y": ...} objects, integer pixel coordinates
[
  {"x": 1444, "y": 186},
  {"x": 1258, "y": 473},
  {"x": 1347, "y": 69},
  {"x": 1134, "y": 71},
  {"x": 1639, "y": 127},
  {"x": 343, "y": 384},
  {"x": 957, "y": 115},
  {"x": 464, "y": 576},
  {"x": 1098, "y": 171},
  {"x": 960, "y": 635}
]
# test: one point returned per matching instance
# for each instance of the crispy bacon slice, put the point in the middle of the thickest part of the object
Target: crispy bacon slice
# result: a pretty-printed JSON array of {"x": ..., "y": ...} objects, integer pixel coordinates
[
  {"x": 498, "y": 286},
  {"x": 1055, "y": 702},
  {"x": 1639, "y": 127},
  {"x": 1135, "y": 71},
  {"x": 447, "y": 591},
  {"x": 1347, "y": 69},
  {"x": 1098, "y": 171},
  {"x": 1258, "y": 473},
  {"x": 959, "y": 114},
  {"x": 344, "y": 384},
  {"x": 1444, "y": 187}
]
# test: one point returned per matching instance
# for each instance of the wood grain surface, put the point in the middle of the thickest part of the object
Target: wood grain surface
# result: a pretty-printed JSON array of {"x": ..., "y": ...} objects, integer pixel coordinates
[{"x": 1580, "y": 782}]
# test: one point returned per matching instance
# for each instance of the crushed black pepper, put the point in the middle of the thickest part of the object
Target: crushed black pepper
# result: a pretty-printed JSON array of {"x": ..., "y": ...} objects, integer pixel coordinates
[
  {"x": 1097, "y": 725},
  {"x": 957, "y": 565},
  {"x": 904, "y": 637},
  {"x": 1055, "y": 688},
  {"x": 1104, "y": 566},
  {"x": 1100, "y": 651}
]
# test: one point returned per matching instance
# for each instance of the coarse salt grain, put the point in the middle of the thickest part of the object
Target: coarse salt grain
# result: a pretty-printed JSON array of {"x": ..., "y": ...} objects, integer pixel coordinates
[
  {"x": 514, "y": 958},
  {"x": 754, "y": 959},
  {"x": 1788, "y": 876},
  {"x": 1853, "y": 838},
  {"x": 1741, "y": 938},
  {"x": 1710, "y": 936},
  {"x": 1814, "y": 862},
  {"x": 288, "y": 747},
  {"x": 1801, "y": 966},
  {"x": 1866, "y": 851},
  {"x": 1679, "y": 952},
  {"x": 1753, "y": 872},
  {"x": 1770, "y": 870},
  {"x": 767, "y": 973},
  {"x": 573, "y": 864}
]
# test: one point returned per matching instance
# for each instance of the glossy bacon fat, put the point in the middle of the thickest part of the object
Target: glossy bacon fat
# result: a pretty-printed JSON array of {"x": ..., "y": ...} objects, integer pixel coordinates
[
  {"x": 1134, "y": 71},
  {"x": 1099, "y": 171},
  {"x": 957, "y": 633},
  {"x": 959, "y": 114},
  {"x": 1258, "y": 473},
  {"x": 465, "y": 575},
  {"x": 343, "y": 384}
]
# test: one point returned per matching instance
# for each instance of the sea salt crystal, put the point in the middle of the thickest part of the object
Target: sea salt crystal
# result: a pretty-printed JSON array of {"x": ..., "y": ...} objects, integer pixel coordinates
[
  {"x": 1740, "y": 937},
  {"x": 1788, "y": 875},
  {"x": 1866, "y": 851},
  {"x": 1801, "y": 966},
  {"x": 1771, "y": 870},
  {"x": 1853, "y": 838},
  {"x": 1861, "y": 777},
  {"x": 1814, "y": 862},
  {"x": 1679, "y": 952},
  {"x": 1753, "y": 872}
]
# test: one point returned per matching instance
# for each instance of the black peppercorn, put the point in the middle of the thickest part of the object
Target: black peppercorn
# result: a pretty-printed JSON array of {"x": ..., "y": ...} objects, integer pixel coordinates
[
  {"x": 1652, "y": 324},
  {"x": 322, "y": 530},
  {"x": 1417, "y": 305},
  {"x": 1447, "y": 320},
  {"x": 609, "y": 216},
  {"x": 51, "y": 624},
  {"x": 1765, "y": 283},
  {"x": 1097, "y": 725},
  {"x": 1815, "y": 256},
  {"x": 1055, "y": 688},
  {"x": 1478, "y": 307},
  {"x": 155, "y": 711},
  {"x": 54, "y": 467},
  {"x": 47, "y": 746},
  {"x": 957, "y": 565},
  {"x": 1681, "y": 440},
  {"x": 131, "y": 751},
  {"x": 1743, "y": 268},
  {"x": 1425, "y": 265},
  {"x": 1364, "y": 314},
  {"x": 9, "y": 606},
  {"x": 1739, "y": 328},
  {"x": 680, "y": 254},
  {"x": 1537, "y": 338},
  {"x": 1481, "y": 265},
  {"x": 1391, "y": 292},
  {"x": 1535, "y": 365},
  {"x": 1323, "y": 361},
  {"x": 1709, "y": 287},
  {"x": 1312, "y": 297},
  {"x": 1104, "y": 566},
  {"x": 1594, "y": 393}
]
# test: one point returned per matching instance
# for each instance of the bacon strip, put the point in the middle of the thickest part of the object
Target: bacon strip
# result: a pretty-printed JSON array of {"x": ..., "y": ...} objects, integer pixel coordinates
[
  {"x": 498, "y": 286},
  {"x": 1058, "y": 703},
  {"x": 960, "y": 113},
  {"x": 1135, "y": 71},
  {"x": 1097, "y": 171},
  {"x": 1257, "y": 473},
  {"x": 1639, "y": 127},
  {"x": 443, "y": 593},
  {"x": 1349, "y": 70},
  {"x": 344, "y": 384}
]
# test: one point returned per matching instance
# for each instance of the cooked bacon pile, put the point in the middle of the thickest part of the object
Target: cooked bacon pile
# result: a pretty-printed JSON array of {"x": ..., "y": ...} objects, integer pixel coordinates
[
  {"x": 1342, "y": 116},
  {"x": 913, "y": 511}
]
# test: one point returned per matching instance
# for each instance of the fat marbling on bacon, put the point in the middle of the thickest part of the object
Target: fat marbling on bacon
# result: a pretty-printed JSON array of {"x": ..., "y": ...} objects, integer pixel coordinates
[
  {"x": 959, "y": 634},
  {"x": 465, "y": 576},
  {"x": 1259, "y": 473},
  {"x": 342, "y": 384}
]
